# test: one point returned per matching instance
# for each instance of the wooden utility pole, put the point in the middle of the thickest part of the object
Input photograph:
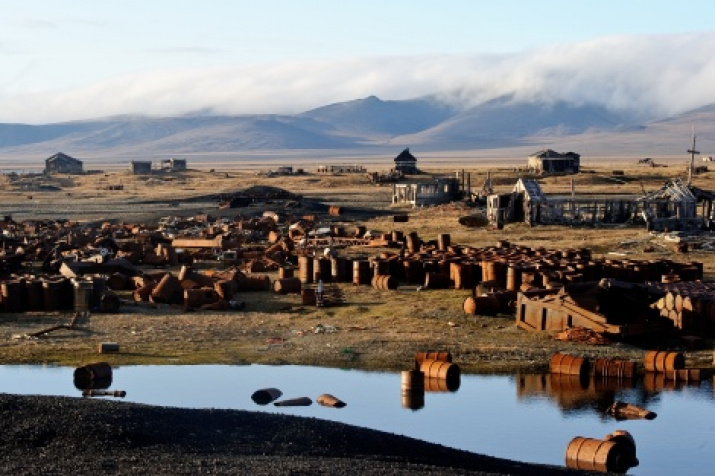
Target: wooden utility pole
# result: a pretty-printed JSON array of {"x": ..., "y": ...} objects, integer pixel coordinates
[{"x": 692, "y": 153}]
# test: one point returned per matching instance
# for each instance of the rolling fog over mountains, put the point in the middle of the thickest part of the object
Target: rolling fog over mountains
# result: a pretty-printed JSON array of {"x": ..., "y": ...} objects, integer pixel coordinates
[{"x": 372, "y": 126}]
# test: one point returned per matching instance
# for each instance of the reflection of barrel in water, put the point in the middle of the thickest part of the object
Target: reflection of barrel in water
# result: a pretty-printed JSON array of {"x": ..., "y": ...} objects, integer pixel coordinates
[
  {"x": 442, "y": 384},
  {"x": 93, "y": 376},
  {"x": 413, "y": 389}
]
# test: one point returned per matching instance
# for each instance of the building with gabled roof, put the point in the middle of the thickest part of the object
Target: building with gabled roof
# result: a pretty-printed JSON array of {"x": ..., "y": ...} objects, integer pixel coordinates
[
  {"x": 549, "y": 162},
  {"x": 406, "y": 162},
  {"x": 63, "y": 164}
]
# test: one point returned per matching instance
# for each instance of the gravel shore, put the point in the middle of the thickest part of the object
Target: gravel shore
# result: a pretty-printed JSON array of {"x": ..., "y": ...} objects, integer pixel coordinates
[{"x": 62, "y": 435}]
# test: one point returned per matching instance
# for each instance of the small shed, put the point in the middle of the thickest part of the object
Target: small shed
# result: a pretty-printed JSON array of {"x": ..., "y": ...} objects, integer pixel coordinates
[
  {"x": 426, "y": 193},
  {"x": 63, "y": 164},
  {"x": 140, "y": 167},
  {"x": 406, "y": 162},
  {"x": 173, "y": 165},
  {"x": 549, "y": 162}
]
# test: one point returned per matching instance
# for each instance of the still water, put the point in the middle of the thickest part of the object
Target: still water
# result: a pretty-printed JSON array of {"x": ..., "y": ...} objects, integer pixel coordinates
[{"x": 524, "y": 417}]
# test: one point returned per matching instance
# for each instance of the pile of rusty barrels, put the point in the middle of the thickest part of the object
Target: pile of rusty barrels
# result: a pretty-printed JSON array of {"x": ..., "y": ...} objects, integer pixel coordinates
[
  {"x": 689, "y": 305},
  {"x": 57, "y": 293},
  {"x": 441, "y": 264},
  {"x": 661, "y": 366},
  {"x": 432, "y": 372},
  {"x": 616, "y": 453}
]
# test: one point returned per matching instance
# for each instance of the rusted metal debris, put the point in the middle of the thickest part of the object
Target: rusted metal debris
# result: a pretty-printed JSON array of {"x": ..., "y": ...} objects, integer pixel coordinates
[{"x": 628, "y": 411}]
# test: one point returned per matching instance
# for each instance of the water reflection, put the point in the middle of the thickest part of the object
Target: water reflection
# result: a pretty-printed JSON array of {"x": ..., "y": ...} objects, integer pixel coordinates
[{"x": 525, "y": 417}]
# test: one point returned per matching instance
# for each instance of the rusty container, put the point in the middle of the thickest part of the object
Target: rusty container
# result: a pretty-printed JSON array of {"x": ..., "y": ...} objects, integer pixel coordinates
[
  {"x": 93, "y": 376},
  {"x": 168, "y": 290},
  {"x": 335, "y": 210},
  {"x": 286, "y": 272},
  {"x": 463, "y": 275},
  {"x": 626, "y": 440},
  {"x": 569, "y": 365},
  {"x": 414, "y": 271},
  {"x": 35, "y": 295},
  {"x": 264, "y": 396},
  {"x": 442, "y": 384},
  {"x": 328, "y": 400},
  {"x": 83, "y": 294},
  {"x": 195, "y": 298},
  {"x": 361, "y": 272},
  {"x": 294, "y": 402},
  {"x": 413, "y": 242},
  {"x": 397, "y": 236},
  {"x": 434, "y": 280},
  {"x": 513, "y": 277},
  {"x": 413, "y": 400},
  {"x": 441, "y": 356},
  {"x": 287, "y": 286},
  {"x": 322, "y": 270},
  {"x": 384, "y": 281},
  {"x": 444, "y": 240},
  {"x": 226, "y": 288},
  {"x": 119, "y": 282},
  {"x": 597, "y": 455},
  {"x": 14, "y": 295},
  {"x": 413, "y": 381},
  {"x": 661, "y": 361},
  {"x": 340, "y": 269},
  {"x": 109, "y": 302},
  {"x": 487, "y": 305},
  {"x": 440, "y": 370},
  {"x": 614, "y": 368},
  {"x": 305, "y": 269},
  {"x": 57, "y": 294}
]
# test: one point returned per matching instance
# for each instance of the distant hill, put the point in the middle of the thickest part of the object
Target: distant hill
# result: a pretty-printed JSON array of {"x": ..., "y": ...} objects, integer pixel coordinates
[{"x": 369, "y": 126}]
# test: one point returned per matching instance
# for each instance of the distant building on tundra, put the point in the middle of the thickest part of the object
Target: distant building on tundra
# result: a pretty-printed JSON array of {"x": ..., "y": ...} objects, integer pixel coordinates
[
  {"x": 173, "y": 165},
  {"x": 63, "y": 164},
  {"x": 550, "y": 162},
  {"x": 406, "y": 162},
  {"x": 140, "y": 167}
]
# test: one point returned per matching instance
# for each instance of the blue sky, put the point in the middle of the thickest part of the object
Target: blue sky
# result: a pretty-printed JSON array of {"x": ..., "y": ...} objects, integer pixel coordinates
[{"x": 79, "y": 59}]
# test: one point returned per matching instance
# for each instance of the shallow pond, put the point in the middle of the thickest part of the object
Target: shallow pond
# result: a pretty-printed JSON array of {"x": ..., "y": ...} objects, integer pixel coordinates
[{"x": 524, "y": 417}]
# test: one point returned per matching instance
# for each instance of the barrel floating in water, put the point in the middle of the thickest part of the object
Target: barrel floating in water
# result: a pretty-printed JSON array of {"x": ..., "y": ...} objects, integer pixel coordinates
[
  {"x": 328, "y": 400},
  {"x": 439, "y": 369},
  {"x": 614, "y": 368},
  {"x": 265, "y": 396},
  {"x": 624, "y": 438},
  {"x": 442, "y": 384},
  {"x": 597, "y": 455},
  {"x": 657, "y": 361},
  {"x": 569, "y": 365},
  {"x": 97, "y": 375},
  {"x": 294, "y": 402}
]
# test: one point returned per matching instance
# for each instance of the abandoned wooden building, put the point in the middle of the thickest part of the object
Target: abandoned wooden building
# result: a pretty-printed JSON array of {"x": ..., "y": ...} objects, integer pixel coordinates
[
  {"x": 674, "y": 207},
  {"x": 341, "y": 169},
  {"x": 173, "y": 165},
  {"x": 140, "y": 167},
  {"x": 63, "y": 164},
  {"x": 406, "y": 162},
  {"x": 440, "y": 190},
  {"x": 549, "y": 162}
]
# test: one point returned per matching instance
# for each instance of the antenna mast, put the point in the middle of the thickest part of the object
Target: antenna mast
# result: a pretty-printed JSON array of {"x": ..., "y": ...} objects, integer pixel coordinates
[{"x": 692, "y": 153}]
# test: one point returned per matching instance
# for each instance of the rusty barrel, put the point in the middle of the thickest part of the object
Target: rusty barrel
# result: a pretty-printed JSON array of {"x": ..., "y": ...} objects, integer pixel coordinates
[
  {"x": 597, "y": 455},
  {"x": 569, "y": 365},
  {"x": 414, "y": 271},
  {"x": 57, "y": 293},
  {"x": 335, "y": 210},
  {"x": 287, "y": 286},
  {"x": 255, "y": 283},
  {"x": 340, "y": 269},
  {"x": 439, "y": 369},
  {"x": 442, "y": 384},
  {"x": 437, "y": 281},
  {"x": 195, "y": 298},
  {"x": 35, "y": 295},
  {"x": 384, "y": 281},
  {"x": 305, "y": 269},
  {"x": 322, "y": 270},
  {"x": 83, "y": 294},
  {"x": 661, "y": 361},
  {"x": 441, "y": 356},
  {"x": 412, "y": 381},
  {"x": 286, "y": 272},
  {"x": 264, "y": 396},
  {"x": 625, "y": 439},
  {"x": 481, "y": 305},
  {"x": 14, "y": 296},
  {"x": 95, "y": 375},
  {"x": 361, "y": 272},
  {"x": 294, "y": 402},
  {"x": 328, "y": 400},
  {"x": 307, "y": 297},
  {"x": 413, "y": 242},
  {"x": 443, "y": 241},
  {"x": 226, "y": 288},
  {"x": 614, "y": 368}
]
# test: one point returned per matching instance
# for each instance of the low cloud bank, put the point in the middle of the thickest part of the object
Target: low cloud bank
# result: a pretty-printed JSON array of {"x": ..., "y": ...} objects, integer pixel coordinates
[{"x": 653, "y": 76}]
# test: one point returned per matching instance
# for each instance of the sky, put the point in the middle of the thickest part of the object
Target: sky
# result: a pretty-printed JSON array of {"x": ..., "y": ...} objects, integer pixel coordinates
[{"x": 81, "y": 59}]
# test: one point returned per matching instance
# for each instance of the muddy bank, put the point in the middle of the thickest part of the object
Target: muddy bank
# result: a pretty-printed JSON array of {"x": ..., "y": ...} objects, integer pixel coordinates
[{"x": 59, "y": 435}]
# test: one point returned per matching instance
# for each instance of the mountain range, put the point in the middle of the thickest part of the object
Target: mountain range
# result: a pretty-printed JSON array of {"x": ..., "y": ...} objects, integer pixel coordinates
[{"x": 372, "y": 126}]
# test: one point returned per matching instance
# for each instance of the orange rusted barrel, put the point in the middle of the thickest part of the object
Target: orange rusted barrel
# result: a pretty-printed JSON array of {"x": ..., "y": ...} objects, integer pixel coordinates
[
  {"x": 569, "y": 365},
  {"x": 443, "y": 241},
  {"x": 614, "y": 368},
  {"x": 437, "y": 281},
  {"x": 328, "y": 400},
  {"x": 441, "y": 356},
  {"x": 661, "y": 361},
  {"x": 413, "y": 381},
  {"x": 597, "y": 455},
  {"x": 361, "y": 272},
  {"x": 287, "y": 286},
  {"x": 413, "y": 400},
  {"x": 625, "y": 439},
  {"x": 470, "y": 306},
  {"x": 305, "y": 269},
  {"x": 307, "y": 297},
  {"x": 442, "y": 384},
  {"x": 439, "y": 369}
]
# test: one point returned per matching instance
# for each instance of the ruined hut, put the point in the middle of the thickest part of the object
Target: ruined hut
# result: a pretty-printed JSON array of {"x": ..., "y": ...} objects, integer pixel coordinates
[
  {"x": 441, "y": 190},
  {"x": 173, "y": 165},
  {"x": 140, "y": 167},
  {"x": 63, "y": 164},
  {"x": 522, "y": 204},
  {"x": 675, "y": 207},
  {"x": 406, "y": 162},
  {"x": 549, "y": 162}
]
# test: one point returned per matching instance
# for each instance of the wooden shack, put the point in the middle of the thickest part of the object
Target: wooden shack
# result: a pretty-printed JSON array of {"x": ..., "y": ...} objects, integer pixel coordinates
[
  {"x": 549, "y": 162},
  {"x": 63, "y": 164},
  {"x": 441, "y": 190},
  {"x": 173, "y": 165},
  {"x": 406, "y": 163},
  {"x": 140, "y": 167}
]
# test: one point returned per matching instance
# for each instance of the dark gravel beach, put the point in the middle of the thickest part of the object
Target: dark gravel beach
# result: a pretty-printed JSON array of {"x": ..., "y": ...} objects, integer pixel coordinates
[{"x": 60, "y": 435}]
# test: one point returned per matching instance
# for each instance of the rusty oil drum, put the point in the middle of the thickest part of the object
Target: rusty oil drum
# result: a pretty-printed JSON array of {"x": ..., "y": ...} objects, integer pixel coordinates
[
  {"x": 440, "y": 370},
  {"x": 569, "y": 365},
  {"x": 614, "y": 368},
  {"x": 661, "y": 361},
  {"x": 442, "y": 356},
  {"x": 597, "y": 455}
]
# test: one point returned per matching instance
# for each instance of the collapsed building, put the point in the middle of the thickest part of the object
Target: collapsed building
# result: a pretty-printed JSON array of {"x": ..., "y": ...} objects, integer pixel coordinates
[{"x": 676, "y": 206}]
